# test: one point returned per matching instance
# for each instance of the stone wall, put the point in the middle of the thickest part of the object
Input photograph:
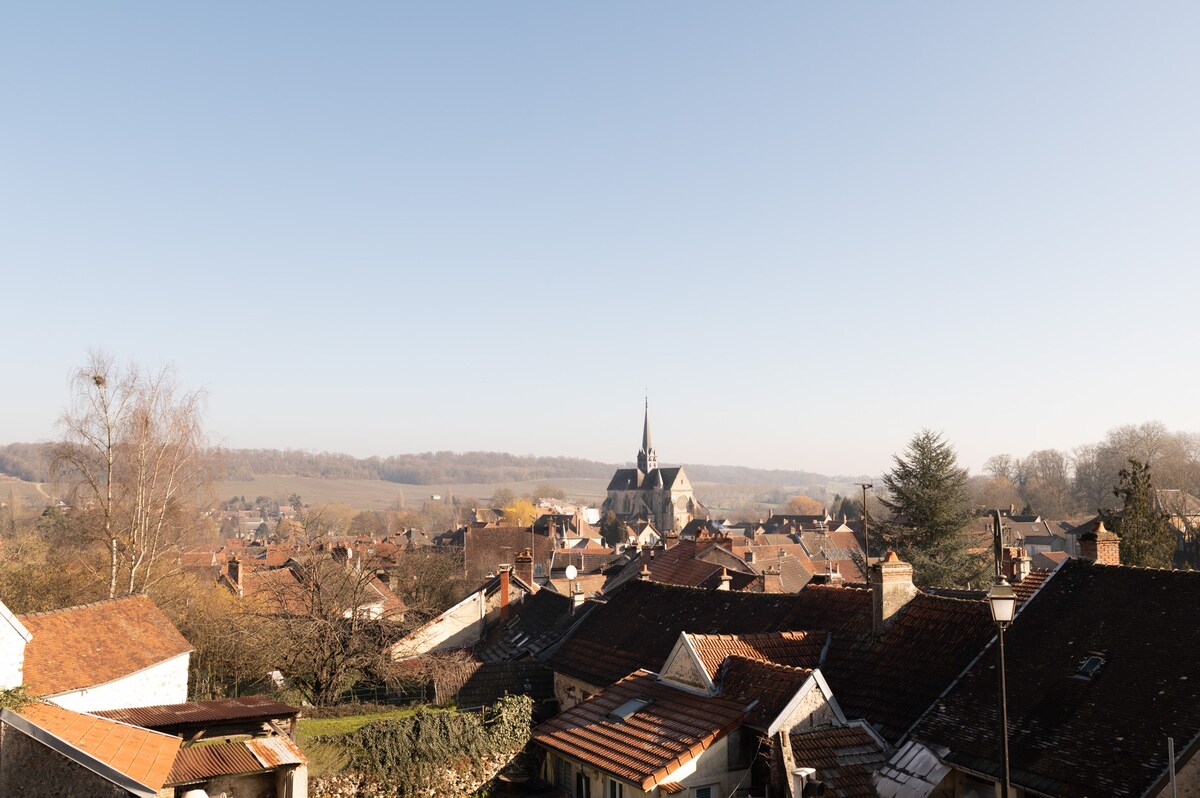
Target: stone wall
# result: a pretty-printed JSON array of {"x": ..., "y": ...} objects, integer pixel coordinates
[
  {"x": 453, "y": 782},
  {"x": 32, "y": 770}
]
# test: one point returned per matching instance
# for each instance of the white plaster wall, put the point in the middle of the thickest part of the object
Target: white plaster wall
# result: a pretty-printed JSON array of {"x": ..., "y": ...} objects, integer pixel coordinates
[
  {"x": 458, "y": 626},
  {"x": 570, "y": 692},
  {"x": 812, "y": 711},
  {"x": 164, "y": 683},
  {"x": 12, "y": 656}
]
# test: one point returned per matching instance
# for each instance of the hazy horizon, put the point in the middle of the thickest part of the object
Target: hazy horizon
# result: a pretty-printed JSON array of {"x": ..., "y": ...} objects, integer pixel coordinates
[{"x": 806, "y": 231}]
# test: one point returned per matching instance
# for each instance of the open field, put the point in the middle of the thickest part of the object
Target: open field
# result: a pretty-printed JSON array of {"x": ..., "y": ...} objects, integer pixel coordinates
[
  {"x": 19, "y": 492},
  {"x": 374, "y": 494}
]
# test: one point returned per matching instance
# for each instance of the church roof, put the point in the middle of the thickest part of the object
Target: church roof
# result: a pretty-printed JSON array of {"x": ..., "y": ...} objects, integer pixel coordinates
[{"x": 626, "y": 479}]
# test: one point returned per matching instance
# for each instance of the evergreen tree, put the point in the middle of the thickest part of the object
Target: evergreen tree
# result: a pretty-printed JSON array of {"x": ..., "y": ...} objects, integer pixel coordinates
[
  {"x": 1147, "y": 538},
  {"x": 930, "y": 506},
  {"x": 613, "y": 529}
]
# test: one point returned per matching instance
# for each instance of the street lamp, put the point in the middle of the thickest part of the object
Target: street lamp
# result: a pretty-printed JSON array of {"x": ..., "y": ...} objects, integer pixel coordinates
[{"x": 1003, "y": 601}]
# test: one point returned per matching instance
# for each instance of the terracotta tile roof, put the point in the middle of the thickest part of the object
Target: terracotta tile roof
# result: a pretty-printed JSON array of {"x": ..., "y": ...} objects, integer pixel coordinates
[
  {"x": 143, "y": 755},
  {"x": 747, "y": 681},
  {"x": 797, "y": 649},
  {"x": 1051, "y": 559},
  {"x": 586, "y": 561},
  {"x": 1030, "y": 584},
  {"x": 691, "y": 563},
  {"x": 235, "y": 757},
  {"x": 640, "y": 623},
  {"x": 844, "y": 757},
  {"x": 97, "y": 643},
  {"x": 1071, "y": 735},
  {"x": 649, "y": 745}
]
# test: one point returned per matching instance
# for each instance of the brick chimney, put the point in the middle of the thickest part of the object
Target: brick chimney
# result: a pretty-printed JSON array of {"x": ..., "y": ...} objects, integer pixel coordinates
[
  {"x": 1015, "y": 564},
  {"x": 1100, "y": 546},
  {"x": 524, "y": 567},
  {"x": 235, "y": 573},
  {"x": 504, "y": 569},
  {"x": 891, "y": 588}
]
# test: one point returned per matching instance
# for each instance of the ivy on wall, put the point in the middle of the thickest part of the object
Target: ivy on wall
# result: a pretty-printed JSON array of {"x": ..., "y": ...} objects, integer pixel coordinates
[{"x": 412, "y": 755}]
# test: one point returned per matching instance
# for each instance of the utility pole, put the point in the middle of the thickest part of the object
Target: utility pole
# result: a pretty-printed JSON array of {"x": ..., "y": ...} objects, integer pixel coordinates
[{"x": 866, "y": 535}]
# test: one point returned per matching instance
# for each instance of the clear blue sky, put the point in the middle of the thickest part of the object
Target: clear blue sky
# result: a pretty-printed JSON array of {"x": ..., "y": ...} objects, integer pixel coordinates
[{"x": 808, "y": 229}]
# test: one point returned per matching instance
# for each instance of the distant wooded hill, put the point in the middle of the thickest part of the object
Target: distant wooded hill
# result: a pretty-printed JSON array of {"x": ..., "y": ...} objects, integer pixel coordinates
[{"x": 29, "y": 461}]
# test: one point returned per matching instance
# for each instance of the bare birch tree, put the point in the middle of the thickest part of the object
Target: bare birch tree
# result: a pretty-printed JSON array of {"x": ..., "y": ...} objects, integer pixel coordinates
[{"x": 133, "y": 458}]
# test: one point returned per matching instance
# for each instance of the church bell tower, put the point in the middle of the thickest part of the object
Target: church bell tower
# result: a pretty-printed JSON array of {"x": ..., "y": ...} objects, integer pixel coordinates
[{"x": 647, "y": 459}]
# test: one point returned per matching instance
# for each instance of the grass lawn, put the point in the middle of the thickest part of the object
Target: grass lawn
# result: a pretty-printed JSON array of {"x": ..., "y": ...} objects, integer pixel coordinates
[
  {"x": 323, "y": 759},
  {"x": 318, "y": 727}
]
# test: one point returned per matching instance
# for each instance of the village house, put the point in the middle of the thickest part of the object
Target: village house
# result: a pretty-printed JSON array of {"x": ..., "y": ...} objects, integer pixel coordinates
[
  {"x": 1102, "y": 669},
  {"x": 108, "y": 654},
  {"x": 232, "y": 747},
  {"x": 715, "y": 698}
]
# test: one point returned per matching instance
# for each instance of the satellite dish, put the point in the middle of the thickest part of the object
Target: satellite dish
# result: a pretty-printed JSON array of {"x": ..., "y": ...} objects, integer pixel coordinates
[{"x": 572, "y": 572}]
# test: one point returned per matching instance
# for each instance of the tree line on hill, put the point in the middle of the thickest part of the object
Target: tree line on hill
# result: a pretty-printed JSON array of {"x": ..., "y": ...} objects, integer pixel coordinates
[{"x": 31, "y": 462}]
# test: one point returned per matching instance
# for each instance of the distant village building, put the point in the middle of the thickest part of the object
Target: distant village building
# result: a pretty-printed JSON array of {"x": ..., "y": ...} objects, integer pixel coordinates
[{"x": 662, "y": 496}]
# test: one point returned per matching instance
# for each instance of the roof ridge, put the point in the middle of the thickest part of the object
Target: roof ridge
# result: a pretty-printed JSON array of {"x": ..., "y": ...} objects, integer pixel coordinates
[
  {"x": 771, "y": 663},
  {"x": 921, "y": 592},
  {"x": 44, "y": 613}
]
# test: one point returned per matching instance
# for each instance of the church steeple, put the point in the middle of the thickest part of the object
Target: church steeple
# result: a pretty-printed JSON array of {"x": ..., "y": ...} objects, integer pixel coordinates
[{"x": 647, "y": 458}]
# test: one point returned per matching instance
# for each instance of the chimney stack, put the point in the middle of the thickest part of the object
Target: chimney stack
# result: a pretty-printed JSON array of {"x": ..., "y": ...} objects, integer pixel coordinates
[
  {"x": 577, "y": 598},
  {"x": 1100, "y": 546},
  {"x": 504, "y": 569},
  {"x": 235, "y": 573},
  {"x": 725, "y": 579},
  {"x": 524, "y": 568},
  {"x": 891, "y": 588}
]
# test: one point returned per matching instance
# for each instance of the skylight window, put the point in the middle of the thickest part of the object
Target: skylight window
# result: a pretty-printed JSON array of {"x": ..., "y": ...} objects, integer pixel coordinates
[
  {"x": 1090, "y": 667},
  {"x": 628, "y": 709}
]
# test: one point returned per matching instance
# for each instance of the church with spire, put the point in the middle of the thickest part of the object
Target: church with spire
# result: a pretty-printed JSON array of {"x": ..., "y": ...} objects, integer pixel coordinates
[{"x": 662, "y": 496}]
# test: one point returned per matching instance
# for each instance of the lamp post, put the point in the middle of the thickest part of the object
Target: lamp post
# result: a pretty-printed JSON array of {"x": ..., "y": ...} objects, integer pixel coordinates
[
  {"x": 1003, "y": 602},
  {"x": 866, "y": 534}
]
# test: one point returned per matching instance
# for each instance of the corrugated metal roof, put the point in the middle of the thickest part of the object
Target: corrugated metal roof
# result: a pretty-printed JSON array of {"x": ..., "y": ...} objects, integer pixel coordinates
[
  {"x": 275, "y": 751},
  {"x": 201, "y": 712},
  {"x": 201, "y": 762}
]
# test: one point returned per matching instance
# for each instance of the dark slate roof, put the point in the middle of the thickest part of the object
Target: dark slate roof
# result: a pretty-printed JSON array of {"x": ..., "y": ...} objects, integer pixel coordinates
[
  {"x": 492, "y": 680},
  {"x": 1072, "y": 736},
  {"x": 658, "y": 478},
  {"x": 536, "y": 623},
  {"x": 624, "y": 479},
  {"x": 844, "y": 757},
  {"x": 640, "y": 623},
  {"x": 892, "y": 679}
]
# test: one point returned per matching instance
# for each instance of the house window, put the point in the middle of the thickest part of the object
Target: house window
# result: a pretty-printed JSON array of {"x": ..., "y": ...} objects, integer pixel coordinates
[
  {"x": 708, "y": 791},
  {"x": 616, "y": 789},
  {"x": 583, "y": 786},
  {"x": 562, "y": 775}
]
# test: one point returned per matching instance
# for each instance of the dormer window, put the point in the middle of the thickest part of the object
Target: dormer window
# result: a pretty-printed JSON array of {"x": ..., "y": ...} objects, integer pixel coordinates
[{"x": 1089, "y": 667}]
